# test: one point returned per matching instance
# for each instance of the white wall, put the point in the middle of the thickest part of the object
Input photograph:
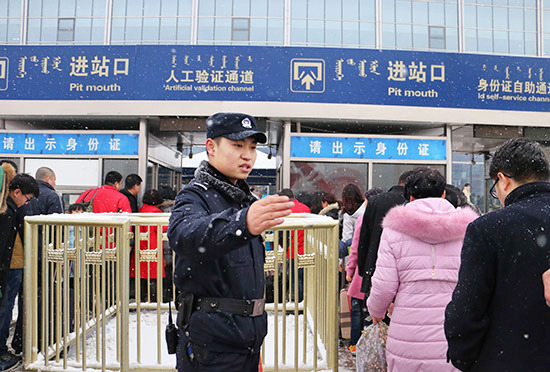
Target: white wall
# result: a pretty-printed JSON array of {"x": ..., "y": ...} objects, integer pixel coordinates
[{"x": 68, "y": 172}]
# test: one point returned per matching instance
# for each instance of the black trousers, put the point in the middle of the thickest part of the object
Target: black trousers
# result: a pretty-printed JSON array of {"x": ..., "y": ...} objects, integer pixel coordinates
[{"x": 203, "y": 360}]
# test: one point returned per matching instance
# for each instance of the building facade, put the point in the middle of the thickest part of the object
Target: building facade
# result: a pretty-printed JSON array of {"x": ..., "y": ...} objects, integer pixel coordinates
[{"x": 506, "y": 42}]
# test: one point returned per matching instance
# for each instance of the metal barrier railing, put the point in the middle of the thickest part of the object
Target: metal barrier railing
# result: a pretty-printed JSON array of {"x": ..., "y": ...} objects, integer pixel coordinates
[
  {"x": 81, "y": 297},
  {"x": 315, "y": 317}
]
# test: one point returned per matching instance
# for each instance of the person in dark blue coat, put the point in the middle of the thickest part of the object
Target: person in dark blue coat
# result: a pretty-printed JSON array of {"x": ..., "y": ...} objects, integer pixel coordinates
[
  {"x": 49, "y": 201},
  {"x": 497, "y": 319},
  {"x": 214, "y": 232}
]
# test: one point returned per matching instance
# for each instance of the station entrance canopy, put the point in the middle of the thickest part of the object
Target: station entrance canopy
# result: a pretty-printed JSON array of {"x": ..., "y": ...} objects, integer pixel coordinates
[{"x": 274, "y": 74}]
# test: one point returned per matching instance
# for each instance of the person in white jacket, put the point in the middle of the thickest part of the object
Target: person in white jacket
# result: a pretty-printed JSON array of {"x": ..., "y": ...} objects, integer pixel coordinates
[{"x": 353, "y": 206}]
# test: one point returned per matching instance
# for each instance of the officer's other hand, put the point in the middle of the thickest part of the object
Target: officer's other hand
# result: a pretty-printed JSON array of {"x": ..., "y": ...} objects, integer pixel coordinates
[
  {"x": 546, "y": 282},
  {"x": 267, "y": 212}
]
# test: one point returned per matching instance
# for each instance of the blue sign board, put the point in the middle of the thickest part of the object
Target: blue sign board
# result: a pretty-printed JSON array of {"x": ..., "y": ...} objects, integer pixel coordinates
[
  {"x": 368, "y": 148},
  {"x": 277, "y": 74},
  {"x": 69, "y": 144}
]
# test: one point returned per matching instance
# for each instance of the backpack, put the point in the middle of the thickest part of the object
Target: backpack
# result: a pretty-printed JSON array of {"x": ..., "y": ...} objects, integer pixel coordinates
[{"x": 89, "y": 205}]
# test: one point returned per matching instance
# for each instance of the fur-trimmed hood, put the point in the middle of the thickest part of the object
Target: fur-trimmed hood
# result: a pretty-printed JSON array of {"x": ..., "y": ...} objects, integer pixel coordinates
[
  {"x": 207, "y": 174},
  {"x": 433, "y": 220},
  {"x": 329, "y": 208}
]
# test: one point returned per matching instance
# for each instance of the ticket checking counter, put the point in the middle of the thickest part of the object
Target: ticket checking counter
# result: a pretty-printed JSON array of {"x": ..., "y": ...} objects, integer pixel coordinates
[
  {"x": 80, "y": 159},
  {"x": 164, "y": 165},
  {"x": 328, "y": 162}
]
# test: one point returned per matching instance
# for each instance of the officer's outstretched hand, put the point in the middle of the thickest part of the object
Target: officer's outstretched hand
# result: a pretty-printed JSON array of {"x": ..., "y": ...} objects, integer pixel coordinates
[{"x": 267, "y": 212}]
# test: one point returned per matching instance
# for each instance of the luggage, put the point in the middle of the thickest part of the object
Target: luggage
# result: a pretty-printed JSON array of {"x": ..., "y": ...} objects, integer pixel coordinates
[{"x": 345, "y": 314}]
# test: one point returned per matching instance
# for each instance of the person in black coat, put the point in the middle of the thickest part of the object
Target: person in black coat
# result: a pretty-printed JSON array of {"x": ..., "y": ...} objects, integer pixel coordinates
[
  {"x": 21, "y": 189},
  {"x": 49, "y": 201},
  {"x": 214, "y": 232},
  {"x": 132, "y": 187},
  {"x": 497, "y": 319},
  {"x": 371, "y": 229}
]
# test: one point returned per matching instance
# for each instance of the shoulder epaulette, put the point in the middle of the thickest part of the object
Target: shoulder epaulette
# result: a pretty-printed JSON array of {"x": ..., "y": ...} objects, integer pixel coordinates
[{"x": 200, "y": 184}]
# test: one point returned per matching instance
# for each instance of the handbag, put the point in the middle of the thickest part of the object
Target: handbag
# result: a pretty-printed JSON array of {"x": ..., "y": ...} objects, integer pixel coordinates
[{"x": 371, "y": 349}]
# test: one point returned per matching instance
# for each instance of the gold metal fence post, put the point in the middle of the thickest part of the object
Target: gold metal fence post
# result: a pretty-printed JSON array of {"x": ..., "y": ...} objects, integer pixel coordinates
[
  {"x": 102, "y": 299},
  {"x": 123, "y": 259},
  {"x": 160, "y": 294},
  {"x": 46, "y": 290},
  {"x": 137, "y": 285},
  {"x": 316, "y": 302},
  {"x": 30, "y": 281},
  {"x": 307, "y": 250},
  {"x": 296, "y": 283},
  {"x": 332, "y": 336},
  {"x": 286, "y": 284}
]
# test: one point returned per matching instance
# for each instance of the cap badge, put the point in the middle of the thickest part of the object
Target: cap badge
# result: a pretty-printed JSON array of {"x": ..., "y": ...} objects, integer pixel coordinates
[{"x": 246, "y": 123}]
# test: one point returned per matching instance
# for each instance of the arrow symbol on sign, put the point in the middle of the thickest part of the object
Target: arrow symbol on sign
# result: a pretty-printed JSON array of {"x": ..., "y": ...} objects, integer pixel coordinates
[{"x": 308, "y": 80}]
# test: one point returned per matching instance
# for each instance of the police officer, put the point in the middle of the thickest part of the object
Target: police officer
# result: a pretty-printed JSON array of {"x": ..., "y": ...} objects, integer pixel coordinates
[{"x": 214, "y": 231}]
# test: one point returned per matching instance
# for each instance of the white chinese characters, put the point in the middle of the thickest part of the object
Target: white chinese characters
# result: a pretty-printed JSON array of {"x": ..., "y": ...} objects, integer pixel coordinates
[
  {"x": 93, "y": 143},
  {"x": 337, "y": 148},
  {"x": 78, "y": 144},
  {"x": 8, "y": 143},
  {"x": 315, "y": 147},
  {"x": 380, "y": 148},
  {"x": 114, "y": 144},
  {"x": 50, "y": 144},
  {"x": 71, "y": 144},
  {"x": 423, "y": 149},
  {"x": 370, "y": 148},
  {"x": 402, "y": 149}
]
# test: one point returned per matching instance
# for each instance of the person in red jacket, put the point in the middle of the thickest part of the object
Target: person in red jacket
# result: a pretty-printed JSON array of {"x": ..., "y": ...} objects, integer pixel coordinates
[
  {"x": 298, "y": 208},
  {"x": 148, "y": 269},
  {"x": 107, "y": 198}
]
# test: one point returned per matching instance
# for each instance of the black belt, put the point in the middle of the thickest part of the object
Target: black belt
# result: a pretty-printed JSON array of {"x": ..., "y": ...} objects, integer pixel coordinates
[{"x": 249, "y": 308}]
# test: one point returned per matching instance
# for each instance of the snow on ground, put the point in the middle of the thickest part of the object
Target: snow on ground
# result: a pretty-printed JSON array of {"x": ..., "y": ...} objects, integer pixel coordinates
[{"x": 149, "y": 345}]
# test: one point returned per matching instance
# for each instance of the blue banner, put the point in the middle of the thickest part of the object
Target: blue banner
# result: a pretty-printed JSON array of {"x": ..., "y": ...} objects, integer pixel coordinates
[
  {"x": 279, "y": 74},
  {"x": 69, "y": 144},
  {"x": 368, "y": 148}
]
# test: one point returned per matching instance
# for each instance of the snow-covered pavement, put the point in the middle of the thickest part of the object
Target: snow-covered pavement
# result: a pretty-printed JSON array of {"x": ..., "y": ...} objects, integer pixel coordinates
[{"x": 149, "y": 346}]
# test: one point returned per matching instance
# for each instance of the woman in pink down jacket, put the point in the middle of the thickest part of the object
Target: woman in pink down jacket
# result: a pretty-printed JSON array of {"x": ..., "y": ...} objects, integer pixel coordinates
[{"x": 418, "y": 262}]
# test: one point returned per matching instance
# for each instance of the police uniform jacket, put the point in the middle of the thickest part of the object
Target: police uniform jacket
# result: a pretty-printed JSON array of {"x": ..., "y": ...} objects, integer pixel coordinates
[
  {"x": 216, "y": 256},
  {"x": 497, "y": 319}
]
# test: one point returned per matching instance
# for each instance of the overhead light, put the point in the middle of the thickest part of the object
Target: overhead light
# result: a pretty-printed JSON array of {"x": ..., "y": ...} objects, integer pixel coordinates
[{"x": 191, "y": 151}]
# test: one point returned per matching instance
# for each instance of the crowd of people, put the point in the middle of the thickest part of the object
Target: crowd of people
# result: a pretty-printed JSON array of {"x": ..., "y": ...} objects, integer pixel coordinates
[
  {"x": 24, "y": 195},
  {"x": 447, "y": 280},
  {"x": 459, "y": 290}
]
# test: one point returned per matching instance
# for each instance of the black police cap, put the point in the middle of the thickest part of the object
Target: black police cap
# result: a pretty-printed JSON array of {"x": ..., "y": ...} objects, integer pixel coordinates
[{"x": 234, "y": 126}]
